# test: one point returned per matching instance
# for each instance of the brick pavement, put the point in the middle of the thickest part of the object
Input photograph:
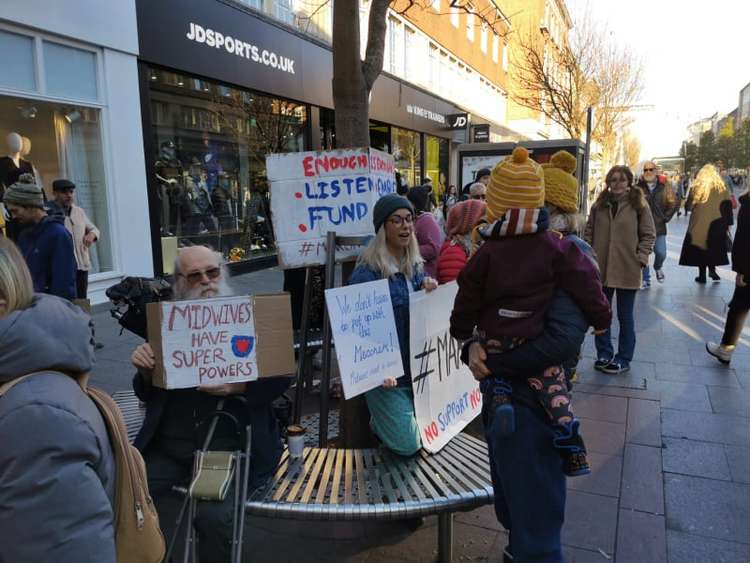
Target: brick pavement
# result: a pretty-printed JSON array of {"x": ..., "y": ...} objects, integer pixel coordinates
[{"x": 669, "y": 442}]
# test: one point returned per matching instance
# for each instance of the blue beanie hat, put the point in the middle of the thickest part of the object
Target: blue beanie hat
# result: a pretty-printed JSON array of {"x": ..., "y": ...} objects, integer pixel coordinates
[{"x": 385, "y": 207}]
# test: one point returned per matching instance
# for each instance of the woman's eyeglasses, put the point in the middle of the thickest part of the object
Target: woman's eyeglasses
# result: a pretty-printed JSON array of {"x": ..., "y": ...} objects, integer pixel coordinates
[
  {"x": 195, "y": 277},
  {"x": 398, "y": 220}
]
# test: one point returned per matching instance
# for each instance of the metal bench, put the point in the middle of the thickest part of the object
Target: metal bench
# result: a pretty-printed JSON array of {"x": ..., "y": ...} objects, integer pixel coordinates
[{"x": 369, "y": 484}]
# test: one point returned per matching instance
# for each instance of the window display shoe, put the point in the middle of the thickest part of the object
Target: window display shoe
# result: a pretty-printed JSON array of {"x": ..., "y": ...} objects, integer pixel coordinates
[
  {"x": 660, "y": 276},
  {"x": 615, "y": 368},
  {"x": 720, "y": 352}
]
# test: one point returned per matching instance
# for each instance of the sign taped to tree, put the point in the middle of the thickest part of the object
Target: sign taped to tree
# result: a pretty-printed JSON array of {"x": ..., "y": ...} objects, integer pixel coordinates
[
  {"x": 364, "y": 330},
  {"x": 316, "y": 192},
  {"x": 446, "y": 395},
  {"x": 220, "y": 340}
]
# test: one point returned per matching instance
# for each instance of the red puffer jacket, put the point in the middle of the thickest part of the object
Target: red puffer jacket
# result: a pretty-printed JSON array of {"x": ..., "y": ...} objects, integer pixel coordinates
[{"x": 450, "y": 262}]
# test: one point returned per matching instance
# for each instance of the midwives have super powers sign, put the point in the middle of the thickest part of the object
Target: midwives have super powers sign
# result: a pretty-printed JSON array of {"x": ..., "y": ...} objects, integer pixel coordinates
[{"x": 316, "y": 192}]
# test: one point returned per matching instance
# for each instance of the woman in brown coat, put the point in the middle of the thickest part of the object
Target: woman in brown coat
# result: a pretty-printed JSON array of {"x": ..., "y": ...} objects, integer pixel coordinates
[
  {"x": 621, "y": 231},
  {"x": 707, "y": 240}
]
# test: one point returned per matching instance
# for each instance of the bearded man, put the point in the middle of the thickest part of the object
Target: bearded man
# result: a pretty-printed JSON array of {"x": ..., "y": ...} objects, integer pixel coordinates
[{"x": 177, "y": 420}]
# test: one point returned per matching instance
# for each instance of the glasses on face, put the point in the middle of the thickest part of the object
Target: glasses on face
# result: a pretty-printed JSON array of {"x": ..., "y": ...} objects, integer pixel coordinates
[
  {"x": 399, "y": 220},
  {"x": 649, "y": 169},
  {"x": 195, "y": 277},
  {"x": 482, "y": 197}
]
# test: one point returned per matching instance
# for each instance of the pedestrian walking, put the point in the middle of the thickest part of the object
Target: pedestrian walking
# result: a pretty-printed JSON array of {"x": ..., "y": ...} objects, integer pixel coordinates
[
  {"x": 426, "y": 228},
  {"x": 483, "y": 176},
  {"x": 621, "y": 230},
  {"x": 57, "y": 476},
  {"x": 663, "y": 202},
  {"x": 45, "y": 243},
  {"x": 708, "y": 242},
  {"x": 80, "y": 227},
  {"x": 504, "y": 311},
  {"x": 394, "y": 255},
  {"x": 456, "y": 248},
  {"x": 740, "y": 303},
  {"x": 450, "y": 198},
  {"x": 177, "y": 420}
]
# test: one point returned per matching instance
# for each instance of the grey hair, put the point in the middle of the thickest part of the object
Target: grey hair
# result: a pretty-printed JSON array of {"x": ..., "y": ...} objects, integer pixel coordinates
[
  {"x": 564, "y": 222},
  {"x": 179, "y": 286}
]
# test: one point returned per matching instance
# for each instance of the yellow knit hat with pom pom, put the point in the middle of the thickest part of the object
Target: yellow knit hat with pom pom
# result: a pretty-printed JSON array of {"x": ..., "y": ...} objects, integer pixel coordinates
[
  {"x": 560, "y": 186},
  {"x": 516, "y": 182}
]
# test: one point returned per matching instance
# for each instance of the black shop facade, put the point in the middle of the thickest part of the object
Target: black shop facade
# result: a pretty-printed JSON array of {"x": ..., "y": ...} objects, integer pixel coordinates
[{"x": 221, "y": 87}]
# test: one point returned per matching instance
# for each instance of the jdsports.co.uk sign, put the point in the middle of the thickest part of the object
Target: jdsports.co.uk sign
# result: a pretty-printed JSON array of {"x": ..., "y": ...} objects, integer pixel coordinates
[{"x": 237, "y": 46}]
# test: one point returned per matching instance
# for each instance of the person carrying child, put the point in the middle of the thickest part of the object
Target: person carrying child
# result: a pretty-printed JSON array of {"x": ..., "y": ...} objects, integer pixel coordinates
[{"x": 507, "y": 286}]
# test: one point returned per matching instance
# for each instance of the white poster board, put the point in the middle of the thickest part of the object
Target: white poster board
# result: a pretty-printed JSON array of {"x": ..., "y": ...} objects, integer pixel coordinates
[
  {"x": 446, "y": 395},
  {"x": 364, "y": 331},
  {"x": 207, "y": 342},
  {"x": 316, "y": 192}
]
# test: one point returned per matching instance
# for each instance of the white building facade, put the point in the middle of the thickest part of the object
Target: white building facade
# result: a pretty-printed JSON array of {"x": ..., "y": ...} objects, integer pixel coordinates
[{"x": 70, "y": 88}]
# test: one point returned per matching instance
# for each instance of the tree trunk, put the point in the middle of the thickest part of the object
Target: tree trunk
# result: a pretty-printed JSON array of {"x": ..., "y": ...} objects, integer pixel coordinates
[
  {"x": 350, "y": 94},
  {"x": 352, "y": 82}
]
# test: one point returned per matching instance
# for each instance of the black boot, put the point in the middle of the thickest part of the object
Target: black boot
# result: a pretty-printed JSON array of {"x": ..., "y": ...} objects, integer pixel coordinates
[
  {"x": 713, "y": 275},
  {"x": 572, "y": 449}
]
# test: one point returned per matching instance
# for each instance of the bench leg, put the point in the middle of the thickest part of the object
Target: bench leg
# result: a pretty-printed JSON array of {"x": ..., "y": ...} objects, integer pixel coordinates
[{"x": 445, "y": 537}]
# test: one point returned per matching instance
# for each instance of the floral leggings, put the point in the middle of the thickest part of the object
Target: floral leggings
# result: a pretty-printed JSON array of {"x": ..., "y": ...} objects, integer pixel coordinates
[{"x": 551, "y": 387}]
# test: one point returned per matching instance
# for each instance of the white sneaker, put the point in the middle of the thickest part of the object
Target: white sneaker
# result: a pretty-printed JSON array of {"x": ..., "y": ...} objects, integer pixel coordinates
[
  {"x": 720, "y": 352},
  {"x": 646, "y": 284},
  {"x": 660, "y": 276}
]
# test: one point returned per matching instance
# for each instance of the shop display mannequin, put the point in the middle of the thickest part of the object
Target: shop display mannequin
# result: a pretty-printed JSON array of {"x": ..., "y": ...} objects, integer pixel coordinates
[
  {"x": 25, "y": 152},
  {"x": 13, "y": 165},
  {"x": 171, "y": 193},
  {"x": 199, "y": 199},
  {"x": 11, "y": 168}
]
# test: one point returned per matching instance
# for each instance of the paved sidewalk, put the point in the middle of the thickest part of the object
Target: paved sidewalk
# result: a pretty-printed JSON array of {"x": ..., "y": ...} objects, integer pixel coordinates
[{"x": 669, "y": 443}]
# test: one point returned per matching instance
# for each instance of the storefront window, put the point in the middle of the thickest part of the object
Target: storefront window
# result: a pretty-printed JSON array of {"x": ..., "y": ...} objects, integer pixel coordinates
[
  {"x": 61, "y": 141},
  {"x": 379, "y": 136},
  {"x": 436, "y": 162},
  {"x": 18, "y": 61},
  {"x": 210, "y": 178},
  {"x": 407, "y": 154}
]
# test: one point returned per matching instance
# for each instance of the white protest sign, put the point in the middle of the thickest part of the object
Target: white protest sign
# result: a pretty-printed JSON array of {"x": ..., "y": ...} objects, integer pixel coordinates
[
  {"x": 446, "y": 395},
  {"x": 204, "y": 342},
  {"x": 364, "y": 331},
  {"x": 316, "y": 192}
]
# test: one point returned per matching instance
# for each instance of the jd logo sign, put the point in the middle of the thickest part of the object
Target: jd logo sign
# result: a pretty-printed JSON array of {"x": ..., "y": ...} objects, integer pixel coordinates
[{"x": 458, "y": 121}]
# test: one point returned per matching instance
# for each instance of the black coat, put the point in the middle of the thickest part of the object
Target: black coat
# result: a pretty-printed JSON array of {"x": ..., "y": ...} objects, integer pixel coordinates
[
  {"x": 661, "y": 208},
  {"x": 717, "y": 242},
  {"x": 266, "y": 445},
  {"x": 741, "y": 247}
]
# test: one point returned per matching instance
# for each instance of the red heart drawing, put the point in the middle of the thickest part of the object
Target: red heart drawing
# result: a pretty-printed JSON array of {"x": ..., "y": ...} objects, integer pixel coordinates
[{"x": 242, "y": 345}]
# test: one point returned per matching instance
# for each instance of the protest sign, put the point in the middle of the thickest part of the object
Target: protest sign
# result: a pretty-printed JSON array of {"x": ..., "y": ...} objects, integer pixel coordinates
[
  {"x": 446, "y": 395},
  {"x": 316, "y": 192},
  {"x": 364, "y": 331},
  {"x": 220, "y": 340}
]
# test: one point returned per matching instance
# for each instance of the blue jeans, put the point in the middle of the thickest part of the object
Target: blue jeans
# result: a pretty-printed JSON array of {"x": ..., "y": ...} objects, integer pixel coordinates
[
  {"x": 529, "y": 485},
  {"x": 626, "y": 318},
  {"x": 660, "y": 255}
]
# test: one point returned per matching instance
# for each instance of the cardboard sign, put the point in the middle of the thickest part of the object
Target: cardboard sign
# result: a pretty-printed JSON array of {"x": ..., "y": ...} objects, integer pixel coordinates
[
  {"x": 220, "y": 340},
  {"x": 364, "y": 330},
  {"x": 446, "y": 395},
  {"x": 316, "y": 192}
]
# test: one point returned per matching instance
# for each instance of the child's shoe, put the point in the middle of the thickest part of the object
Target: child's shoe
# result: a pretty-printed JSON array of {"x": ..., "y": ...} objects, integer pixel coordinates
[{"x": 572, "y": 449}]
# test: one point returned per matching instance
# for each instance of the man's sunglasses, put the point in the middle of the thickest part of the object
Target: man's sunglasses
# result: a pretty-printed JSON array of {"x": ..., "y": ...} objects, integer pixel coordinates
[
  {"x": 649, "y": 169},
  {"x": 195, "y": 277}
]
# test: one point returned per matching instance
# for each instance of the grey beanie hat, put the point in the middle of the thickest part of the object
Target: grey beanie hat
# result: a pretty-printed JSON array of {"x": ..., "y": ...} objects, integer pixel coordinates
[
  {"x": 25, "y": 193},
  {"x": 386, "y": 205}
]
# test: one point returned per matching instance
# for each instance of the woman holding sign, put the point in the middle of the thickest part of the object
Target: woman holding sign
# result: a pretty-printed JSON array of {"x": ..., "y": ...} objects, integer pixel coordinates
[{"x": 394, "y": 255}]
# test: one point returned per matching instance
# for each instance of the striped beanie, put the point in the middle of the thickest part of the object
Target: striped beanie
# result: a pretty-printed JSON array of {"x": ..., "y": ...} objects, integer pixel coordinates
[
  {"x": 25, "y": 193},
  {"x": 464, "y": 216},
  {"x": 560, "y": 186},
  {"x": 516, "y": 183}
]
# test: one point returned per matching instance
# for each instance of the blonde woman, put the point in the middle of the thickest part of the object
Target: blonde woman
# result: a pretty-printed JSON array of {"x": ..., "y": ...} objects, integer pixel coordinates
[
  {"x": 57, "y": 470},
  {"x": 394, "y": 255},
  {"x": 707, "y": 241}
]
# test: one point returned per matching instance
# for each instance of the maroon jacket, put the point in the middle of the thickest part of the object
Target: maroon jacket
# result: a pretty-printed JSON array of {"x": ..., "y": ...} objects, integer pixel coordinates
[{"x": 506, "y": 287}]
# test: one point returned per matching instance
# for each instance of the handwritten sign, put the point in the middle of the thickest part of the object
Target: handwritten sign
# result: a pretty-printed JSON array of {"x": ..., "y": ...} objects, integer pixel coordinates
[
  {"x": 316, "y": 192},
  {"x": 221, "y": 340},
  {"x": 364, "y": 331},
  {"x": 446, "y": 396}
]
